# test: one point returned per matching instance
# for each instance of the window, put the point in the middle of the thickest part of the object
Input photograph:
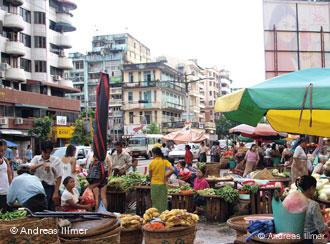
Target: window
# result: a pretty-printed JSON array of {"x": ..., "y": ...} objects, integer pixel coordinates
[
  {"x": 131, "y": 117},
  {"x": 52, "y": 26},
  {"x": 155, "y": 96},
  {"x": 210, "y": 83},
  {"x": 26, "y": 14},
  {"x": 40, "y": 66},
  {"x": 130, "y": 77},
  {"x": 210, "y": 93},
  {"x": 25, "y": 39},
  {"x": 140, "y": 95},
  {"x": 147, "y": 75},
  {"x": 130, "y": 97},
  {"x": 40, "y": 18},
  {"x": 139, "y": 78},
  {"x": 121, "y": 41},
  {"x": 56, "y": 71},
  {"x": 26, "y": 64},
  {"x": 40, "y": 42},
  {"x": 156, "y": 116},
  {"x": 147, "y": 116},
  {"x": 78, "y": 64}
]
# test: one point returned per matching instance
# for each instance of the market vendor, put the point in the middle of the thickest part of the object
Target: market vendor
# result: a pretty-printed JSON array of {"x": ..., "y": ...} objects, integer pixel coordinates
[
  {"x": 159, "y": 171},
  {"x": 200, "y": 183},
  {"x": 314, "y": 222},
  {"x": 121, "y": 161},
  {"x": 299, "y": 165},
  {"x": 27, "y": 190}
]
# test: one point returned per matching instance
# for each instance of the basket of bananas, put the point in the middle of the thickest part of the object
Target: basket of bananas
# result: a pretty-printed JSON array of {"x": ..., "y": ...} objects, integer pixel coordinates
[
  {"x": 175, "y": 226},
  {"x": 131, "y": 232}
]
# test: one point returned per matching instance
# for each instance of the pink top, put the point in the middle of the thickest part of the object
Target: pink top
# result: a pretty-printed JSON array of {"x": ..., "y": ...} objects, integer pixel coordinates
[
  {"x": 251, "y": 156},
  {"x": 200, "y": 184}
]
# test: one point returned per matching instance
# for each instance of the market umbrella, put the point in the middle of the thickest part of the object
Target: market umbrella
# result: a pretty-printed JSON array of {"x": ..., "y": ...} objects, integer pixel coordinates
[
  {"x": 245, "y": 139},
  {"x": 10, "y": 144},
  {"x": 261, "y": 131},
  {"x": 296, "y": 102},
  {"x": 101, "y": 118},
  {"x": 185, "y": 136}
]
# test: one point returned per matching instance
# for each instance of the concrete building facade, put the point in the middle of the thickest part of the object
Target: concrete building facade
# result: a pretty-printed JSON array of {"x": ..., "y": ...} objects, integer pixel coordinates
[{"x": 33, "y": 43}]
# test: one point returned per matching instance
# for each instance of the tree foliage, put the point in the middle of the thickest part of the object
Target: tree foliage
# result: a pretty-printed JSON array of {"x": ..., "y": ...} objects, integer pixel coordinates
[
  {"x": 223, "y": 125},
  {"x": 41, "y": 128},
  {"x": 152, "y": 128},
  {"x": 81, "y": 136}
]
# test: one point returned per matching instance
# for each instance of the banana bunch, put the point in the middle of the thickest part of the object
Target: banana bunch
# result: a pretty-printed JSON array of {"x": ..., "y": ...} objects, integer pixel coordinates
[
  {"x": 178, "y": 217},
  {"x": 150, "y": 214},
  {"x": 129, "y": 221}
]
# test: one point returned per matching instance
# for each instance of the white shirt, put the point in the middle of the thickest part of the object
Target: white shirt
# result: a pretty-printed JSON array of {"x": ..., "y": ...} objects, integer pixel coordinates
[
  {"x": 68, "y": 195},
  {"x": 165, "y": 151},
  {"x": 48, "y": 176},
  {"x": 4, "y": 182},
  {"x": 299, "y": 153}
]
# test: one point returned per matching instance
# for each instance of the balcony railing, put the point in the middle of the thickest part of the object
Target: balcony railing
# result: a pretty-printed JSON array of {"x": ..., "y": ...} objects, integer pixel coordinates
[
  {"x": 160, "y": 84},
  {"x": 179, "y": 124},
  {"x": 175, "y": 106}
]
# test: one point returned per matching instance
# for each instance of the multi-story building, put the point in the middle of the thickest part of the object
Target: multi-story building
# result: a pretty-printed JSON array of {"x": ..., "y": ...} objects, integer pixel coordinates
[
  {"x": 109, "y": 54},
  {"x": 151, "y": 94},
  {"x": 33, "y": 40}
]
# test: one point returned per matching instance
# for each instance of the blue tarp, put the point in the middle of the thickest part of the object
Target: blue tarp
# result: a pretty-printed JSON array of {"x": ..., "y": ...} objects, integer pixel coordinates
[{"x": 11, "y": 144}]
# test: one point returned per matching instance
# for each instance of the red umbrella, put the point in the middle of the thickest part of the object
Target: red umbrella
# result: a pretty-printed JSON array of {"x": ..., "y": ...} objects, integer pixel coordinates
[{"x": 262, "y": 130}]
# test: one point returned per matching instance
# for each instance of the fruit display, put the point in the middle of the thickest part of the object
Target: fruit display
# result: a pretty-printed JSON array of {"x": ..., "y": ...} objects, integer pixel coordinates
[
  {"x": 129, "y": 221},
  {"x": 154, "y": 226},
  {"x": 178, "y": 217},
  {"x": 150, "y": 214},
  {"x": 13, "y": 215}
]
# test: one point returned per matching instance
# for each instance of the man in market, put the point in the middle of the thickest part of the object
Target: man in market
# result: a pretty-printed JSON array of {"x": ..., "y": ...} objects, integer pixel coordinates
[
  {"x": 27, "y": 190},
  {"x": 48, "y": 169},
  {"x": 121, "y": 161}
]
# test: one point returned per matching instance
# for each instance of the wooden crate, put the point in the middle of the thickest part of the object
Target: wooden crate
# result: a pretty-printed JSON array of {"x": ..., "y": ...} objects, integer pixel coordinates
[
  {"x": 261, "y": 201},
  {"x": 116, "y": 201},
  {"x": 180, "y": 201},
  {"x": 216, "y": 209},
  {"x": 212, "y": 169},
  {"x": 143, "y": 199}
]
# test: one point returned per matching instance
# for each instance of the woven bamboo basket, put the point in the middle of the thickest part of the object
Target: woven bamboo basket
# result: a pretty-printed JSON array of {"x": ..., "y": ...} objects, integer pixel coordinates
[
  {"x": 173, "y": 235},
  {"x": 112, "y": 237},
  {"x": 29, "y": 230},
  {"x": 131, "y": 236}
]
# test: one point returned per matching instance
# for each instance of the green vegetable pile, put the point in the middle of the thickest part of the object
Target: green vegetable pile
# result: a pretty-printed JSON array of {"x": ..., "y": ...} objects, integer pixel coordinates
[
  {"x": 179, "y": 189},
  {"x": 251, "y": 189},
  {"x": 13, "y": 215},
  {"x": 227, "y": 193},
  {"x": 201, "y": 166},
  {"x": 82, "y": 182},
  {"x": 126, "y": 182},
  {"x": 206, "y": 192}
]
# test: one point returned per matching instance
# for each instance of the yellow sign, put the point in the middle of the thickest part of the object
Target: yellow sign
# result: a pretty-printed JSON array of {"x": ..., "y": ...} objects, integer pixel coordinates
[{"x": 63, "y": 132}]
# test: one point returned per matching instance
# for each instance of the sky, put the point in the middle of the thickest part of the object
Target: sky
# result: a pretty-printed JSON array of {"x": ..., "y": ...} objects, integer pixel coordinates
[{"x": 223, "y": 33}]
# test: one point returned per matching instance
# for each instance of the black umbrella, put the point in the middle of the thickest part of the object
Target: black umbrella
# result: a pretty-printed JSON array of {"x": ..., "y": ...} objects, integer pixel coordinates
[{"x": 101, "y": 118}]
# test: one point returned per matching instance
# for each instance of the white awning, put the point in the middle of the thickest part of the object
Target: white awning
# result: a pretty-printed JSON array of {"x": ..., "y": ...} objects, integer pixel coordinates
[{"x": 13, "y": 132}]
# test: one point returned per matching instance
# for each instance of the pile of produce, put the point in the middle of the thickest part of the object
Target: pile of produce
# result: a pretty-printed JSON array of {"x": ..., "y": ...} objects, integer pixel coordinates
[
  {"x": 247, "y": 189},
  {"x": 277, "y": 174},
  {"x": 185, "y": 190},
  {"x": 150, "y": 214},
  {"x": 83, "y": 183},
  {"x": 326, "y": 168},
  {"x": 326, "y": 214},
  {"x": 178, "y": 217},
  {"x": 18, "y": 214},
  {"x": 129, "y": 221},
  {"x": 227, "y": 193},
  {"x": 126, "y": 182},
  {"x": 322, "y": 188}
]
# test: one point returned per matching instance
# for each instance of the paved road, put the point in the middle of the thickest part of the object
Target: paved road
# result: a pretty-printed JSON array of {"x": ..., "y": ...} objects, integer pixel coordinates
[{"x": 143, "y": 163}]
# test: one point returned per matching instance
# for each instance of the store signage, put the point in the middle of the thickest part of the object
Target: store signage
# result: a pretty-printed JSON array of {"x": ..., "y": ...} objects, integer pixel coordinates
[{"x": 61, "y": 120}]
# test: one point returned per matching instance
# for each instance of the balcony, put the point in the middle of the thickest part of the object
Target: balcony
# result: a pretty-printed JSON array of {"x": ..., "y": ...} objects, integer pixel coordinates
[
  {"x": 117, "y": 90},
  {"x": 195, "y": 109},
  {"x": 144, "y": 84},
  {"x": 65, "y": 63},
  {"x": 115, "y": 102},
  {"x": 13, "y": 22},
  {"x": 142, "y": 106},
  {"x": 15, "y": 3},
  {"x": 68, "y": 4},
  {"x": 225, "y": 90},
  {"x": 173, "y": 106},
  {"x": 15, "y": 48},
  {"x": 64, "y": 22},
  {"x": 67, "y": 83},
  {"x": 116, "y": 114},
  {"x": 179, "y": 124},
  {"x": 24, "y": 98},
  {"x": 64, "y": 41},
  {"x": 15, "y": 74}
]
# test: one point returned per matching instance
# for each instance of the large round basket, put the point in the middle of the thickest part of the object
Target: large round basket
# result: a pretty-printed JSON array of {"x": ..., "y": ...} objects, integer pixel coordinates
[
  {"x": 112, "y": 237},
  {"x": 29, "y": 230},
  {"x": 173, "y": 235},
  {"x": 279, "y": 241},
  {"x": 131, "y": 236}
]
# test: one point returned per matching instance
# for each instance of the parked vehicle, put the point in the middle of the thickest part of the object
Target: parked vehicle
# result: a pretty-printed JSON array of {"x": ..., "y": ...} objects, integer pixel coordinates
[
  {"x": 179, "y": 151},
  {"x": 82, "y": 153},
  {"x": 142, "y": 145}
]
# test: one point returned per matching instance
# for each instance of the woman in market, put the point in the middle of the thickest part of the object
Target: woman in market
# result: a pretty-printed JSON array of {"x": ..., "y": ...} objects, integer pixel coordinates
[
  {"x": 69, "y": 165},
  {"x": 203, "y": 149},
  {"x": 299, "y": 165},
  {"x": 188, "y": 157},
  {"x": 251, "y": 160},
  {"x": 200, "y": 183},
  {"x": 70, "y": 197},
  {"x": 314, "y": 222},
  {"x": 159, "y": 171},
  {"x": 323, "y": 158}
]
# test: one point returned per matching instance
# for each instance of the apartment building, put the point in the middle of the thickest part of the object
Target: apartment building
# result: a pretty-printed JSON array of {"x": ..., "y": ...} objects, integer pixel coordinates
[
  {"x": 33, "y": 43},
  {"x": 109, "y": 54},
  {"x": 152, "y": 93}
]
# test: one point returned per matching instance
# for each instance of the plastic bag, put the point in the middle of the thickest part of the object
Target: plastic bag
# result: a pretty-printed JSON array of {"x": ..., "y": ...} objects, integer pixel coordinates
[
  {"x": 101, "y": 208},
  {"x": 295, "y": 202},
  {"x": 88, "y": 197}
]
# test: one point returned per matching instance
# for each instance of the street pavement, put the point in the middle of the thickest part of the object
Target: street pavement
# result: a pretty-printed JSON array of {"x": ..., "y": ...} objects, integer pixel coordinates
[{"x": 143, "y": 165}]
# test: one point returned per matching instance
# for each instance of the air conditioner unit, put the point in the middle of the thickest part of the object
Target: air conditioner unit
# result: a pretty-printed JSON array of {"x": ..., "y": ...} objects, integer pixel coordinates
[
  {"x": 19, "y": 121},
  {"x": 3, "y": 121},
  {"x": 57, "y": 78}
]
